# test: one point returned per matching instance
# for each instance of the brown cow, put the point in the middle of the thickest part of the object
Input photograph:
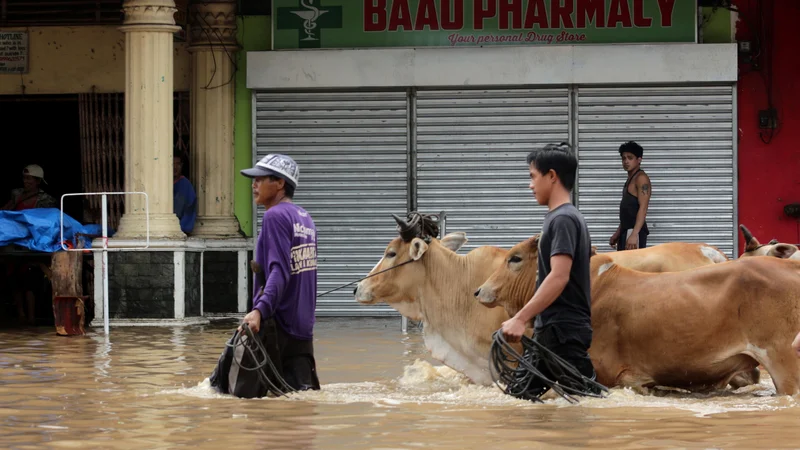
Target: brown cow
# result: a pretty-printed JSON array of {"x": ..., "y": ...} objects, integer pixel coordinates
[
  {"x": 773, "y": 248},
  {"x": 694, "y": 329},
  {"x": 677, "y": 257}
]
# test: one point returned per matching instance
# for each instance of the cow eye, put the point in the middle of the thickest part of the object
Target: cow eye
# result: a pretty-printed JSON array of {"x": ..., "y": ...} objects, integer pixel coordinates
[
  {"x": 391, "y": 255},
  {"x": 514, "y": 259}
]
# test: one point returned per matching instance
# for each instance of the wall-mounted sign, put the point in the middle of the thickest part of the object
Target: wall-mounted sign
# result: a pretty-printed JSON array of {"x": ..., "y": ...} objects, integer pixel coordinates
[
  {"x": 477, "y": 23},
  {"x": 13, "y": 51}
]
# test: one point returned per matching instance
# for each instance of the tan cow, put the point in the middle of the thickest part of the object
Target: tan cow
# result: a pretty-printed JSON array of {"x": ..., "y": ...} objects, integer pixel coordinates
[
  {"x": 693, "y": 329},
  {"x": 669, "y": 257},
  {"x": 437, "y": 288},
  {"x": 773, "y": 248}
]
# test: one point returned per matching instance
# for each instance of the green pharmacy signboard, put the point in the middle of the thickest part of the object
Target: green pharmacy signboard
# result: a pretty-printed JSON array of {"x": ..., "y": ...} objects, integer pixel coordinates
[{"x": 301, "y": 24}]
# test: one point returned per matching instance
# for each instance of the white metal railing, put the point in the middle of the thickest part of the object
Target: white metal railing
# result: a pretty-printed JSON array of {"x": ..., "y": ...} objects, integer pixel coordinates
[{"x": 105, "y": 248}]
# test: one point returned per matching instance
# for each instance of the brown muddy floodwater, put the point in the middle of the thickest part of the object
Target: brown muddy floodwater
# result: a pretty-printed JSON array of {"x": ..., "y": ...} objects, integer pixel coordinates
[{"x": 147, "y": 388}]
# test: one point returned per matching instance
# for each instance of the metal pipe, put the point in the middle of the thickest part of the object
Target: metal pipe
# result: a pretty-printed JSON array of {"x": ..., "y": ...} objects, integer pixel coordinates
[
  {"x": 202, "y": 257},
  {"x": 105, "y": 264},
  {"x": 105, "y": 249}
]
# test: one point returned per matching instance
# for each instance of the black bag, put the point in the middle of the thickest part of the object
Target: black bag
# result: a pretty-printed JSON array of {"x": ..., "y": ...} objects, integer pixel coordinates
[{"x": 247, "y": 369}]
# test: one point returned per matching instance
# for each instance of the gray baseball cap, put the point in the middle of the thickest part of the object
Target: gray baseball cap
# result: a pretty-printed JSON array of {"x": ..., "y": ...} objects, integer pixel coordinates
[{"x": 276, "y": 165}]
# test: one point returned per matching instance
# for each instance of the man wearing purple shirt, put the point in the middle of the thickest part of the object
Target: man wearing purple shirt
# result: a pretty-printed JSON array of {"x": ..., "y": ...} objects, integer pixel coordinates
[{"x": 284, "y": 304}]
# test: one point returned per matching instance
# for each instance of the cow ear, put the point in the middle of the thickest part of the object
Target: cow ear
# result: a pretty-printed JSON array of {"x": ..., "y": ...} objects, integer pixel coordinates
[
  {"x": 417, "y": 249},
  {"x": 535, "y": 242},
  {"x": 454, "y": 241},
  {"x": 593, "y": 252},
  {"x": 783, "y": 251}
]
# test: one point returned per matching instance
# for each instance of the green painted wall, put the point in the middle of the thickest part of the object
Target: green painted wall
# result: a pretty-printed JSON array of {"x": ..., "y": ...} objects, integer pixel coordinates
[
  {"x": 717, "y": 26},
  {"x": 254, "y": 35}
]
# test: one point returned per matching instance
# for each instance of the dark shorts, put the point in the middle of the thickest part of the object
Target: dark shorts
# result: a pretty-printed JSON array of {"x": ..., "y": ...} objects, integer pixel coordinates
[
  {"x": 294, "y": 358},
  {"x": 642, "y": 241},
  {"x": 571, "y": 344}
]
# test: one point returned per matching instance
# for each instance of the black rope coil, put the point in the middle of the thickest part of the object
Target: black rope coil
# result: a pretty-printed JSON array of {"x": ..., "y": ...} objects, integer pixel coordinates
[
  {"x": 418, "y": 225},
  {"x": 252, "y": 344},
  {"x": 518, "y": 372}
]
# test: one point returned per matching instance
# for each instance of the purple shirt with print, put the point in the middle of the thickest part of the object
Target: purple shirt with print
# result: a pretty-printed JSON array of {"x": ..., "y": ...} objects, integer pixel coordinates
[{"x": 287, "y": 252}]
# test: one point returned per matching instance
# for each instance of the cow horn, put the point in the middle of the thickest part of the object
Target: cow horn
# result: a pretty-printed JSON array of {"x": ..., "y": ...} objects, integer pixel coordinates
[
  {"x": 748, "y": 236},
  {"x": 401, "y": 223}
]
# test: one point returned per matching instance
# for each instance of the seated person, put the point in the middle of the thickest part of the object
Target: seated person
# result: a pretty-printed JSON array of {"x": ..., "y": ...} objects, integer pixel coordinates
[
  {"x": 25, "y": 278},
  {"x": 30, "y": 195}
]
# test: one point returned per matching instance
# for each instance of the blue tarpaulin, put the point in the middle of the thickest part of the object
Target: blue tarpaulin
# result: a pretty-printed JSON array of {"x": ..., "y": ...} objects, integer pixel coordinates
[{"x": 40, "y": 229}]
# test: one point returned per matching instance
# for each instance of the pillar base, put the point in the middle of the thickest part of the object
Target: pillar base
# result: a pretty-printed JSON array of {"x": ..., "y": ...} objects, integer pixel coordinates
[
  {"x": 161, "y": 284},
  {"x": 162, "y": 226},
  {"x": 174, "y": 280},
  {"x": 216, "y": 227}
]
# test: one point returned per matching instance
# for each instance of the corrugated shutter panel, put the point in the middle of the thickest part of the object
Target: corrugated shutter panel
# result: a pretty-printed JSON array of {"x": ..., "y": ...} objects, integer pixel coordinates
[
  {"x": 352, "y": 153},
  {"x": 687, "y": 136},
  {"x": 471, "y": 150}
]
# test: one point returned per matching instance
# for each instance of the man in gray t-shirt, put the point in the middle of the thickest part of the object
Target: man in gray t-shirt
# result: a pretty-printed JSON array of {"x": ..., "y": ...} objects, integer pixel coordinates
[
  {"x": 565, "y": 233},
  {"x": 562, "y": 302}
]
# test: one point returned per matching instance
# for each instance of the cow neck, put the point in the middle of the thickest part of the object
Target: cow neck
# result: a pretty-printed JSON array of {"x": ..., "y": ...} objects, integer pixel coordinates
[{"x": 448, "y": 282}]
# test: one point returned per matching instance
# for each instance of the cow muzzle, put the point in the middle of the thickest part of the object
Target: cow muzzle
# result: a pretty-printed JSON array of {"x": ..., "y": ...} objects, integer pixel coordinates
[
  {"x": 486, "y": 295},
  {"x": 362, "y": 295}
]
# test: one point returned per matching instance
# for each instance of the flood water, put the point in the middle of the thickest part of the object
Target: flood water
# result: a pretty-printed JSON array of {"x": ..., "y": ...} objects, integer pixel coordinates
[{"x": 147, "y": 388}]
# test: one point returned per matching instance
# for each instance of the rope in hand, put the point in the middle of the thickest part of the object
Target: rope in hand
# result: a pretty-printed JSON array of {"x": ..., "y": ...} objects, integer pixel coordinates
[
  {"x": 518, "y": 372},
  {"x": 253, "y": 345}
]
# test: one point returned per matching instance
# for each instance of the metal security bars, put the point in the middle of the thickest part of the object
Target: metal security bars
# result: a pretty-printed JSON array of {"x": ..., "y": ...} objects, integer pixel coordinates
[{"x": 365, "y": 155}]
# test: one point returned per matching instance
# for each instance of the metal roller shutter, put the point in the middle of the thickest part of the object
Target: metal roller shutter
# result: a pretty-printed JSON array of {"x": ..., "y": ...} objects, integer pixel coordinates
[
  {"x": 353, "y": 158},
  {"x": 688, "y": 138},
  {"x": 471, "y": 149}
]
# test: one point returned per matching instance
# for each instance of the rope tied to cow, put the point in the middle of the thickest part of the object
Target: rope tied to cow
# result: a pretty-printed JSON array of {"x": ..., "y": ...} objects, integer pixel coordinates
[{"x": 519, "y": 372}]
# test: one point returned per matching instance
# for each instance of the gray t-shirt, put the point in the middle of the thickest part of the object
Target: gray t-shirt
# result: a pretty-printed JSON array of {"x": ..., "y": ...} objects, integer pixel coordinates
[{"x": 565, "y": 233}]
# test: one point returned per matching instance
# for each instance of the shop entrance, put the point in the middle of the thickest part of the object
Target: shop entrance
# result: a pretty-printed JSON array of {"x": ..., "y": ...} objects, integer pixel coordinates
[{"x": 43, "y": 130}]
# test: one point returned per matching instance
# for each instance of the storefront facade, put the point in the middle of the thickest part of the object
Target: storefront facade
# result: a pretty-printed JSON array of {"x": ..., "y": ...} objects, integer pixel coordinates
[
  {"x": 441, "y": 117},
  {"x": 146, "y": 80}
]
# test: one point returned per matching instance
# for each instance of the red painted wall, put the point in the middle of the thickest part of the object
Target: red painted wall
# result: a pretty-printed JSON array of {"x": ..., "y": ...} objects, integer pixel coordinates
[{"x": 769, "y": 174}]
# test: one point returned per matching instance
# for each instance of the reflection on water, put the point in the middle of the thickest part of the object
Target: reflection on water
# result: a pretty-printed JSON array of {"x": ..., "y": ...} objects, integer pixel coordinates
[{"x": 148, "y": 388}]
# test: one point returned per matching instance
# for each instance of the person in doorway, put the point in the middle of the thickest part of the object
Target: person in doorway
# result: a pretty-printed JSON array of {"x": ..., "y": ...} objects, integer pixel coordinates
[
  {"x": 561, "y": 304},
  {"x": 30, "y": 195},
  {"x": 184, "y": 200},
  {"x": 26, "y": 278},
  {"x": 632, "y": 231},
  {"x": 286, "y": 296}
]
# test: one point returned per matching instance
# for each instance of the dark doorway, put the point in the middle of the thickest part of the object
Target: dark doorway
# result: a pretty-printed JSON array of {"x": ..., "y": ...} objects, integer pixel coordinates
[{"x": 43, "y": 130}]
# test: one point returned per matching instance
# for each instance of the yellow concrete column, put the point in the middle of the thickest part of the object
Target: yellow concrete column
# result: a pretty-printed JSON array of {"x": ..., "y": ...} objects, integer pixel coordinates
[
  {"x": 213, "y": 46},
  {"x": 149, "y": 26}
]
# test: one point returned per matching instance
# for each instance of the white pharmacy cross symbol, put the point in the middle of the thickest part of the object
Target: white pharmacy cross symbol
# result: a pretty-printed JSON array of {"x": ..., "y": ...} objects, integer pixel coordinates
[{"x": 310, "y": 16}]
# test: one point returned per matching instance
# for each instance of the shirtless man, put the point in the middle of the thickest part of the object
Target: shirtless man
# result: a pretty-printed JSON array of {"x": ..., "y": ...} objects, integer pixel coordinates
[{"x": 632, "y": 231}]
